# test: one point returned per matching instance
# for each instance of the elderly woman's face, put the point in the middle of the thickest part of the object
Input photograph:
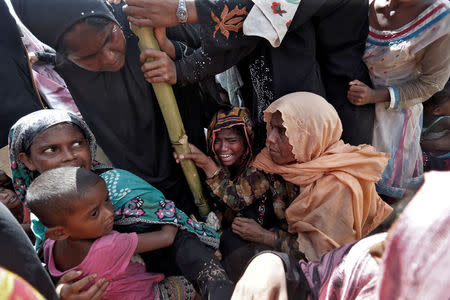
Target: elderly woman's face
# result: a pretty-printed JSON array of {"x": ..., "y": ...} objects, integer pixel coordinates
[
  {"x": 95, "y": 49},
  {"x": 280, "y": 149}
]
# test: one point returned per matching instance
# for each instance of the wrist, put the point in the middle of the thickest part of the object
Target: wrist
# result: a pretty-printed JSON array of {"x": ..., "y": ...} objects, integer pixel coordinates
[
  {"x": 212, "y": 170},
  {"x": 192, "y": 11},
  {"x": 380, "y": 95}
]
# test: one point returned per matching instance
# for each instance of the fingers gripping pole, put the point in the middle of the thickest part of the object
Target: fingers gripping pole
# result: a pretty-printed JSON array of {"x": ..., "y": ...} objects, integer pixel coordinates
[{"x": 172, "y": 118}]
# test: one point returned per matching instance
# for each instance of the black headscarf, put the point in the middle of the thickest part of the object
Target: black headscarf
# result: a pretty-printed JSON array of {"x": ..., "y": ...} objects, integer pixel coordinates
[{"x": 120, "y": 107}]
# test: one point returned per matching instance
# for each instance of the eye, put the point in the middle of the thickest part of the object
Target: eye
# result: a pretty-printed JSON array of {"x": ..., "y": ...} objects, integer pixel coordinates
[
  {"x": 49, "y": 150},
  {"x": 94, "y": 213}
]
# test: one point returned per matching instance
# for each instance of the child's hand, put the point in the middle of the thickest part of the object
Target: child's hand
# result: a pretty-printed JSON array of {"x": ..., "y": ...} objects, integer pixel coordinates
[
  {"x": 69, "y": 288},
  {"x": 360, "y": 94},
  {"x": 200, "y": 159},
  {"x": 160, "y": 69}
]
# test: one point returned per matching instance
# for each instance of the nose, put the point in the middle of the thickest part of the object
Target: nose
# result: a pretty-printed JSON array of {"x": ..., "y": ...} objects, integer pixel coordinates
[
  {"x": 272, "y": 138},
  {"x": 68, "y": 154},
  {"x": 108, "y": 57},
  {"x": 224, "y": 147}
]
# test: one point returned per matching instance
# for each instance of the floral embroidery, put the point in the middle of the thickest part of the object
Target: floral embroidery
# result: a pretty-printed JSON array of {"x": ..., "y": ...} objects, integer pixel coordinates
[
  {"x": 167, "y": 210},
  {"x": 288, "y": 23},
  {"x": 276, "y": 7},
  {"x": 229, "y": 20},
  {"x": 133, "y": 207}
]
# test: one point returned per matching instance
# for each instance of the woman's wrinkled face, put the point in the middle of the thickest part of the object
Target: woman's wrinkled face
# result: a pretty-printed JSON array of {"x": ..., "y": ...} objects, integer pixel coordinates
[
  {"x": 229, "y": 147},
  {"x": 58, "y": 146},
  {"x": 280, "y": 149},
  {"x": 95, "y": 49}
]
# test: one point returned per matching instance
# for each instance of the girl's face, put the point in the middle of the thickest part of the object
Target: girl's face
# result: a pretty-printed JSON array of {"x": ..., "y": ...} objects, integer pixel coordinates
[
  {"x": 58, "y": 146},
  {"x": 95, "y": 49},
  {"x": 9, "y": 198},
  {"x": 92, "y": 215},
  {"x": 280, "y": 149},
  {"x": 229, "y": 147}
]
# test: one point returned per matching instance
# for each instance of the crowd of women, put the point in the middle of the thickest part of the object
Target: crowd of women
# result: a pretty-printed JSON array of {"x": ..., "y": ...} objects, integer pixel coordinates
[{"x": 332, "y": 134}]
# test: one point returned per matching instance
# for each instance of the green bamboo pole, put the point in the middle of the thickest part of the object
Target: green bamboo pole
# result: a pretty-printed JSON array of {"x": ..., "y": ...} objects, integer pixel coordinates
[{"x": 172, "y": 118}]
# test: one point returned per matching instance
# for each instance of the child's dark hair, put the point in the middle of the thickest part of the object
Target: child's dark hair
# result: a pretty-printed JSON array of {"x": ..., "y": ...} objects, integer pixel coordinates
[{"x": 51, "y": 195}]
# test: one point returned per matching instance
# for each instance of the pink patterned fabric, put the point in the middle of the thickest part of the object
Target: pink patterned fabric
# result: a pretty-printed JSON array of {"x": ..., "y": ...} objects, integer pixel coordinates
[
  {"x": 415, "y": 263},
  {"x": 111, "y": 257}
]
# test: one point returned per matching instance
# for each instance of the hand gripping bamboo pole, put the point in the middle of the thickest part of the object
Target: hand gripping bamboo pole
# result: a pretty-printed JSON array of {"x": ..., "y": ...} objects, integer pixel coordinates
[{"x": 172, "y": 118}]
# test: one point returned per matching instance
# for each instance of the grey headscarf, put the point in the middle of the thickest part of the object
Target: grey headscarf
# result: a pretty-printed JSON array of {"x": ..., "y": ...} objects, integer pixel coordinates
[{"x": 23, "y": 133}]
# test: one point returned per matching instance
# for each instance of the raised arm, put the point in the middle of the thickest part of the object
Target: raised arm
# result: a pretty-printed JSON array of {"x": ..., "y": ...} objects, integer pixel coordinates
[{"x": 157, "y": 239}]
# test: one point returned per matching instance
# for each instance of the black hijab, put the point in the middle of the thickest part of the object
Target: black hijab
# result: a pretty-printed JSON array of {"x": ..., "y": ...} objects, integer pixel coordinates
[
  {"x": 16, "y": 88},
  {"x": 120, "y": 107}
]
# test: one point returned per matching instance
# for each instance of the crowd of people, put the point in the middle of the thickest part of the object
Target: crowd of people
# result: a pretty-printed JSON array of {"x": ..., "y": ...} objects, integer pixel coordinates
[{"x": 329, "y": 144}]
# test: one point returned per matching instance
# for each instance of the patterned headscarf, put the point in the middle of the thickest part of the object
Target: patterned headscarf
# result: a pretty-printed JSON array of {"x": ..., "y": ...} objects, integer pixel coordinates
[
  {"x": 23, "y": 133},
  {"x": 237, "y": 116},
  {"x": 134, "y": 200}
]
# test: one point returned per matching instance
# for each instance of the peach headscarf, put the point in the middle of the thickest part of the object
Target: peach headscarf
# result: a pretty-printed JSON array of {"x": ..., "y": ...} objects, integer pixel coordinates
[{"x": 338, "y": 202}]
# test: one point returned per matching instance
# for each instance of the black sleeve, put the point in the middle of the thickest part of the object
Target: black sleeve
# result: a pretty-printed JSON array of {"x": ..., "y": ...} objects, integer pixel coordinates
[
  {"x": 200, "y": 64},
  {"x": 16, "y": 89},
  {"x": 341, "y": 45},
  {"x": 18, "y": 256},
  {"x": 221, "y": 24}
]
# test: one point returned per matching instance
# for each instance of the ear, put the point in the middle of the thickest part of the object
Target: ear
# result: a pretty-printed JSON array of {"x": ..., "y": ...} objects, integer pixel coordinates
[
  {"x": 27, "y": 161},
  {"x": 437, "y": 111},
  {"x": 57, "y": 233}
]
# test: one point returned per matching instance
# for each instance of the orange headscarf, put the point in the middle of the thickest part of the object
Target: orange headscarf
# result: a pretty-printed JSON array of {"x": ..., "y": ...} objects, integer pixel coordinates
[{"x": 338, "y": 202}]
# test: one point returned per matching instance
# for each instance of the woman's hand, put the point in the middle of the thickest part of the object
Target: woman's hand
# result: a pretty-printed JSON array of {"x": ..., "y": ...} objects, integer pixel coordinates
[
  {"x": 360, "y": 94},
  {"x": 160, "y": 69},
  {"x": 200, "y": 159},
  {"x": 263, "y": 279},
  {"x": 152, "y": 13},
  {"x": 250, "y": 230},
  {"x": 165, "y": 44},
  {"x": 69, "y": 288}
]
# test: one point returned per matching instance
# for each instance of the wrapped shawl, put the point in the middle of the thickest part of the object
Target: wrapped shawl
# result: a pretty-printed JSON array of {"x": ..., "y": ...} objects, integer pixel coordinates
[
  {"x": 134, "y": 200},
  {"x": 338, "y": 202}
]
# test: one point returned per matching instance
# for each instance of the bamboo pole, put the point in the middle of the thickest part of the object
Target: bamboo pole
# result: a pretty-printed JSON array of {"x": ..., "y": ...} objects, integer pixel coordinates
[{"x": 172, "y": 118}]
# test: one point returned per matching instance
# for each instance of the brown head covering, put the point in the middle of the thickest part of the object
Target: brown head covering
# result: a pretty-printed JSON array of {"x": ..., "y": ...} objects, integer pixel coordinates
[{"x": 338, "y": 202}]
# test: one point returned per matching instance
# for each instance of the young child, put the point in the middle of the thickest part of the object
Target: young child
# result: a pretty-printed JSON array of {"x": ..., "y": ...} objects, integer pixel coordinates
[
  {"x": 239, "y": 191},
  {"x": 49, "y": 139},
  {"x": 408, "y": 62},
  {"x": 435, "y": 140},
  {"x": 9, "y": 198},
  {"x": 74, "y": 204}
]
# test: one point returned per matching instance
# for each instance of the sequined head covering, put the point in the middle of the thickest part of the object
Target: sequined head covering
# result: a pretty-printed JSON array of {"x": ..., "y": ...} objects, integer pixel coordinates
[{"x": 237, "y": 116}]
